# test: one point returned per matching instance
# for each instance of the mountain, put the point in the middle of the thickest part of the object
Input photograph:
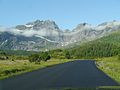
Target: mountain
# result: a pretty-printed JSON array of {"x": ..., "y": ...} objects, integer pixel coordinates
[
  {"x": 43, "y": 35},
  {"x": 37, "y": 25}
]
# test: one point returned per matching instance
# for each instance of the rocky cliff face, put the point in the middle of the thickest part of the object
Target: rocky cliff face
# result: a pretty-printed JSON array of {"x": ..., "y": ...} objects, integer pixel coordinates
[{"x": 43, "y": 35}]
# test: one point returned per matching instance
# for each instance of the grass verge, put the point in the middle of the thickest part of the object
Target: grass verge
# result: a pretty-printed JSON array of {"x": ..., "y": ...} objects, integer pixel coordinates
[
  {"x": 111, "y": 66},
  {"x": 97, "y": 88},
  {"x": 10, "y": 68}
]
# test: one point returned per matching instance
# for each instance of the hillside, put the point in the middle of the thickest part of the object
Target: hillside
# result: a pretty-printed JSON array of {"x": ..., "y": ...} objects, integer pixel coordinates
[{"x": 103, "y": 47}]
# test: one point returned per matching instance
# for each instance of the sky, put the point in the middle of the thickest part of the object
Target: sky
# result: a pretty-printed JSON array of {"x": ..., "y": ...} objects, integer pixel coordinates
[{"x": 66, "y": 13}]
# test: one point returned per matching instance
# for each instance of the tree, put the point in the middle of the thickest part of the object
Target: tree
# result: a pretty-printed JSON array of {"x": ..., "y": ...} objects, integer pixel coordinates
[
  {"x": 45, "y": 56},
  {"x": 34, "y": 58},
  {"x": 67, "y": 55}
]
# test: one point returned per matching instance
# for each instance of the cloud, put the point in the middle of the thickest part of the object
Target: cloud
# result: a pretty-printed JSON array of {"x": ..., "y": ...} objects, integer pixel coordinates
[{"x": 27, "y": 33}]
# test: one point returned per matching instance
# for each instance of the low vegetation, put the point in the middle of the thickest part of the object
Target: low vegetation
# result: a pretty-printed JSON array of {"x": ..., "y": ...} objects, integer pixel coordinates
[
  {"x": 21, "y": 62},
  {"x": 97, "y": 88},
  {"x": 42, "y": 56},
  {"x": 18, "y": 52},
  {"x": 10, "y": 68},
  {"x": 111, "y": 66}
]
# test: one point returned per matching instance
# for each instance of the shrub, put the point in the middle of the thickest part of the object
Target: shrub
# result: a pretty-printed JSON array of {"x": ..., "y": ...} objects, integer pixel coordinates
[
  {"x": 43, "y": 56},
  {"x": 6, "y": 72},
  {"x": 34, "y": 58},
  {"x": 67, "y": 55}
]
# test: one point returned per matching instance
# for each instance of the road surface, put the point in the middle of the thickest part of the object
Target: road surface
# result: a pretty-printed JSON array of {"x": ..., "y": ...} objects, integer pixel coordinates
[{"x": 74, "y": 74}]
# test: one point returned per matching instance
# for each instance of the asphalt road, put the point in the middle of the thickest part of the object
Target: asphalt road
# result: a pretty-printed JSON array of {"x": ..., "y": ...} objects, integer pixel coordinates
[{"x": 75, "y": 74}]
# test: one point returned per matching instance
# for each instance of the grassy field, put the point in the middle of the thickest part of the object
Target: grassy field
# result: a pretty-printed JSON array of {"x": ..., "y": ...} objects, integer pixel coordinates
[
  {"x": 111, "y": 66},
  {"x": 10, "y": 68}
]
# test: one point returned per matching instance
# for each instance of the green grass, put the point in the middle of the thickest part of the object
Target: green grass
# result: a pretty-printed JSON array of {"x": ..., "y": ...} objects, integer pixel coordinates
[
  {"x": 111, "y": 66},
  {"x": 97, "y": 88},
  {"x": 10, "y": 68}
]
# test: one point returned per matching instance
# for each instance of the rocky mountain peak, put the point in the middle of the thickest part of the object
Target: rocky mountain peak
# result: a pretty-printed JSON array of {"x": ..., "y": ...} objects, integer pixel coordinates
[{"x": 37, "y": 25}]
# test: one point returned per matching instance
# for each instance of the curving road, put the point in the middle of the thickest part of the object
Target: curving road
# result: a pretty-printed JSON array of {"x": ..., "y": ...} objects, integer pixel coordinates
[{"x": 75, "y": 74}]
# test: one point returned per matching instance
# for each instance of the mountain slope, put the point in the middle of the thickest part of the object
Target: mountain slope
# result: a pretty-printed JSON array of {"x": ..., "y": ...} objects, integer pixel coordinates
[
  {"x": 17, "y": 42},
  {"x": 103, "y": 47}
]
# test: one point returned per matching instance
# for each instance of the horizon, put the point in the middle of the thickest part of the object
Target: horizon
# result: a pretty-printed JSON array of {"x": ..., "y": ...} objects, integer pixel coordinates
[{"x": 67, "y": 15}]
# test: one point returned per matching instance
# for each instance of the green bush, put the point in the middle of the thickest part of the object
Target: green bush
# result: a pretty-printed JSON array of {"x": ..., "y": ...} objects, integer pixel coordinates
[
  {"x": 6, "y": 72},
  {"x": 3, "y": 56},
  {"x": 43, "y": 56},
  {"x": 67, "y": 55},
  {"x": 58, "y": 54},
  {"x": 34, "y": 58}
]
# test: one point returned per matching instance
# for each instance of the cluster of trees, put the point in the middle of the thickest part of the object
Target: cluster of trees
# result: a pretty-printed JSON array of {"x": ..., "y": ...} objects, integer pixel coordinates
[
  {"x": 94, "y": 50},
  {"x": 42, "y": 56},
  {"x": 60, "y": 54}
]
